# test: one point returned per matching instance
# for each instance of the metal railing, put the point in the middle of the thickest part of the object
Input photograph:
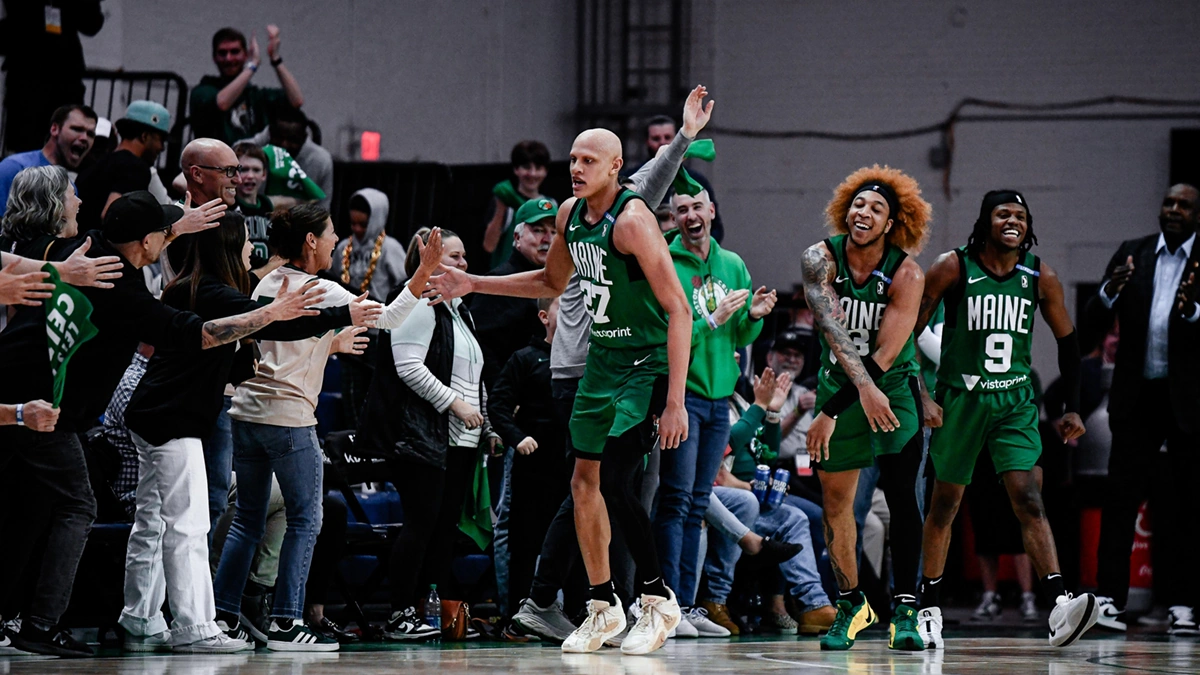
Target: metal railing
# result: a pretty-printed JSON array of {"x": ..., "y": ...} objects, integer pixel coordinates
[{"x": 109, "y": 93}]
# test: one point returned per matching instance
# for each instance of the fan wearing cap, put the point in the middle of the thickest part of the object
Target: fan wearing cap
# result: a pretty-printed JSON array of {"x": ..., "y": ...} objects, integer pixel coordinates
[
  {"x": 990, "y": 288},
  {"x": 144, "y": 129},
  {"x": 136, "y": 230},
  {"x": 505, "y": 324},
  {"x": 864, "y": 291}
]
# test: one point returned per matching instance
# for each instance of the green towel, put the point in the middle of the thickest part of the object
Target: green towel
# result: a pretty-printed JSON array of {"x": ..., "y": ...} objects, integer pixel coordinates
[
  {"x": 476, "y": 520},
  {"x": 684, "y": 183},
  {"x": 68, "y": 325},
  {"x": 286, "y": 178}
]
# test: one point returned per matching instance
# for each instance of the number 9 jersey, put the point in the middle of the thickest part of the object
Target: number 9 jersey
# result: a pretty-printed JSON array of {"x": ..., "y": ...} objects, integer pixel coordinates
[
  {"x": 988, "y": 335},
  {"x": 864, "y": 307}
]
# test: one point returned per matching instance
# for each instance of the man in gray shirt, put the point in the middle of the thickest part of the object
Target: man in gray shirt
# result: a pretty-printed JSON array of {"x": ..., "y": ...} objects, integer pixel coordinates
[{"x": 541, "y": 614}]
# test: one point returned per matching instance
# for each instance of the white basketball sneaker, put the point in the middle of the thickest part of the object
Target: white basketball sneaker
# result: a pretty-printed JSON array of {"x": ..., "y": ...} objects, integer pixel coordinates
[
  {"x": 1111, "y": 618},
  {"x": 659, "y": 616},
  {"x": 929, "y": 625},
  {"x": 603, "y": 622},
  {"x": 1072, "y": 617}
]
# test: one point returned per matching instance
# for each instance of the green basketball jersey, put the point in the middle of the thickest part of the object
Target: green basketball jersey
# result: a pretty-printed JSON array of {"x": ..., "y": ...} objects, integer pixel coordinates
[
  {"x": 988, "y": 334},
  {"x": 625, "y": 314},
  {"x": 864, "y": 306}
]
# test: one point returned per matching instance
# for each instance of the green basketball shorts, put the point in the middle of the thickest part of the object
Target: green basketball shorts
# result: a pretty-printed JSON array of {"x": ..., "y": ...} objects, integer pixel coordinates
[
  {"x": 1004, "y": 421},
  {"x": 853, "y": 444},
  {"x": 617, "y": 392}
]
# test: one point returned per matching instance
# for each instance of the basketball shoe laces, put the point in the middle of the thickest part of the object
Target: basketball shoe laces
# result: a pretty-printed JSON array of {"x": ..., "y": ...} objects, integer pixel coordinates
[
  {"x": 841, "y": 623},
  {"x": 649, "y": 607}
]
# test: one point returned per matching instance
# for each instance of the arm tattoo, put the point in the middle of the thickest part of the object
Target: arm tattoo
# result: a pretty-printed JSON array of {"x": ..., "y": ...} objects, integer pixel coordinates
[
  {"x": 231, "y": 329},
  {"x": 817, "y": 271}
]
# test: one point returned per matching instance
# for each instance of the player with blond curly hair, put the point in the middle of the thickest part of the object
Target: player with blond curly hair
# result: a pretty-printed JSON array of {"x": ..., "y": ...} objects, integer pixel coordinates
[{"x": 865, "y": 292}]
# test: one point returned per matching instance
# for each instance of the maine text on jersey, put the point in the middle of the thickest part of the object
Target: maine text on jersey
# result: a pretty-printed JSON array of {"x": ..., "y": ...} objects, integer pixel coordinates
[
  {"x": 998, "y": 312},
  {"x": 862, "y": 315}
]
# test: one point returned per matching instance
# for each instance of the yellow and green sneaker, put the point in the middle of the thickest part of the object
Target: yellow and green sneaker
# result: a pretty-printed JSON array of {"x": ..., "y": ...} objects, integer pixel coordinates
[
  {"x": 850, "y": 620},
  {"x": 903, "y": 633}
]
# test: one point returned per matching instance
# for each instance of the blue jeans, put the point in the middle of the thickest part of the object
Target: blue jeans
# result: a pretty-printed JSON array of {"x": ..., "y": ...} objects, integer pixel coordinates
[
  {"x": 500, "y": 536},
  {"x": 685, "y": 482},
  {"x": 292, "y": 454},
  {"x": 784, "y": 523},
  {"x": 218, "y": 464}
]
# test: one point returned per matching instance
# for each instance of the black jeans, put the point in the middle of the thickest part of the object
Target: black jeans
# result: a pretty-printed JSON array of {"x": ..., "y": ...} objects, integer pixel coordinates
[
  {"x": 1137, "y": 471},
  {"x": 331, "y": 545},
  {"x": 432, "y": 499},
  {"x": 357, "y": 371},
  {"x": 55, "y": 470},
  {"x": 540, "y": 481}
]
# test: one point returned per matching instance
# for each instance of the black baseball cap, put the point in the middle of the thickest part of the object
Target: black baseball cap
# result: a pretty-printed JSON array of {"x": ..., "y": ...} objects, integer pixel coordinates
[
  {"x": 135, "y": 215},
  {"x": 792, "y": 338}
]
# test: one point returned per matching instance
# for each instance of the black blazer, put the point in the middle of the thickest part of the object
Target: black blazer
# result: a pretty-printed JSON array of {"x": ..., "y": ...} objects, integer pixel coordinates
[{"x": 1132, "y": 308}]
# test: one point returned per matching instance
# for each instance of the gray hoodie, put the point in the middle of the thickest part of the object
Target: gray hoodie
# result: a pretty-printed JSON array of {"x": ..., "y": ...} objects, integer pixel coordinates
[{"x": 389, "y": 272}]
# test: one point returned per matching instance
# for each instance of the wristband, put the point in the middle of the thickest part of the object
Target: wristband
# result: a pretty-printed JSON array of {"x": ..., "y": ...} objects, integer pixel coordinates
[
  {"x": 772, "y": 417},
  {"x": 842, "y": 399},
  {"x": 252, "y": 67},
  {"x": 712, "y": 323},
  {"x": 20, "y": 414},
  {"x": 872, "y": 368},
  {"x": 275, "y": 62},
  {"x": 1068, "y": 369}
]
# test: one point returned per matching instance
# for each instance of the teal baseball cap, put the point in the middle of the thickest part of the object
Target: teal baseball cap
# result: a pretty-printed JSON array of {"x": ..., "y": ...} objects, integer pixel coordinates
[
  {"x": 536, "y": 209},
  {"x": 150, "y": 114}
]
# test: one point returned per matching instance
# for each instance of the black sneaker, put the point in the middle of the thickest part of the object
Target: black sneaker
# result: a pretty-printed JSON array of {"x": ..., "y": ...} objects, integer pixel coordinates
[
  {"x": 298, "y": 638},
  {"x": 236, "y": 632},
  {"x": 255, "y": 616},
  {"x": 53, "y": 642},
  {"x": 774, "y": 552},
  {"x": 333, "y": 631},
  {"x": 408, "y": 625}
]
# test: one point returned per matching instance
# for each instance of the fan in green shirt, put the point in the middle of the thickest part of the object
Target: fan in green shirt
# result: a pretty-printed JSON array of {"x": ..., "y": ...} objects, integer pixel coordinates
[{"x": 529, "y": 162}]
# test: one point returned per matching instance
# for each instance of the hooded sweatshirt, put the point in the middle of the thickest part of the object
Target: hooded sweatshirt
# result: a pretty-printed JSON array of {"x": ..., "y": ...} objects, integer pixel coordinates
[
  {"x": 389, "y": 271},
  {"x": 714, "y": 372}
]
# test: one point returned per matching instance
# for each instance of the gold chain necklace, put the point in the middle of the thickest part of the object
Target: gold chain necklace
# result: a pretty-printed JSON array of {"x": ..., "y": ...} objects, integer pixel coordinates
[{"x": 375, "y": 255}]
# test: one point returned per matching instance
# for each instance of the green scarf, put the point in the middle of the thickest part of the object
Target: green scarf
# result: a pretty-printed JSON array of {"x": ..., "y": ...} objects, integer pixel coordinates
[
  {"x": 684, "y": 184},
  {"x": 68, "y": 325},
  {"x": 476, "y": 519}
]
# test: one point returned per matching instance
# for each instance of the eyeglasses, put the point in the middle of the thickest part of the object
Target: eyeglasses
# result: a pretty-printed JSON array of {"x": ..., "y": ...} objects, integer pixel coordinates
[{"x": 229, "y": 171}]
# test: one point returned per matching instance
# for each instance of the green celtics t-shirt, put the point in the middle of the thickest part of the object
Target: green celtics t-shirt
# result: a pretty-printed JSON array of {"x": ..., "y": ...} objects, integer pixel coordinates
[
  {"x": 988, "y": 336},
  {"x": 286, "y": 178},
  {"x": 625, "y": 314},
  {"x": 864, "y": 306}
]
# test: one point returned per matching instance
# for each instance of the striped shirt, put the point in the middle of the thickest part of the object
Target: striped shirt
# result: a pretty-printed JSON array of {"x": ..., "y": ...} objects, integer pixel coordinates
[{"x": 410, "y": 345}]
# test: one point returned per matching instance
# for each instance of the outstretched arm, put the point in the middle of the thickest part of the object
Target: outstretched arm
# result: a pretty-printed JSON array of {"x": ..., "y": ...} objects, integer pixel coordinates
[
  {"x": 636, "y": 233},
  {"x": 1054, "y": 311},
  {"x": 547, "y": 282},
  {"x": 654, "y": 178}
]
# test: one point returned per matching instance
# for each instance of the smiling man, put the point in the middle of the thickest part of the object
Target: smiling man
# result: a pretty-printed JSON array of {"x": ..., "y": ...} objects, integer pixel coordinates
[
  {"x": 991, "y": 288},
  {"x": 864, "y": 291},
  {"x": 72, "y": 133}
]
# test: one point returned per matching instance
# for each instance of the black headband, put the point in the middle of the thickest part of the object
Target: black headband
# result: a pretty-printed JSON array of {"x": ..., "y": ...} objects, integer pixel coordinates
[
  {"x": 997, "y": 197},
  {"x": 885, "y": 191}
]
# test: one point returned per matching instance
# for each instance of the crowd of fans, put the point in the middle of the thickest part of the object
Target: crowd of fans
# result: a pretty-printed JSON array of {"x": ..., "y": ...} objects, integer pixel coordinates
[{"x": 217, "y": 300}]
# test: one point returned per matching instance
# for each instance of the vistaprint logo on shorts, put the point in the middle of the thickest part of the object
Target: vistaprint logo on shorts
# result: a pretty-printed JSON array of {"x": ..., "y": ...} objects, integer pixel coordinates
[
  {"x": 993, "y": 385},
  {"x": 613, "y": 333}
]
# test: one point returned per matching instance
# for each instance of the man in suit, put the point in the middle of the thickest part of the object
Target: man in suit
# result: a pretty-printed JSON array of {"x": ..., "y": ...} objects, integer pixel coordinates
[{"x": 1150, "y": 288}]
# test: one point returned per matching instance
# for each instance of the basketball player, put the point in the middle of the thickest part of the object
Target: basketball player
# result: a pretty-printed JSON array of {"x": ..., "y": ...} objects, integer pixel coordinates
[
  {"x": 865, "y": 292},
  {"x": 635, "y": 375},
  {"x": 991, "y": 288}
]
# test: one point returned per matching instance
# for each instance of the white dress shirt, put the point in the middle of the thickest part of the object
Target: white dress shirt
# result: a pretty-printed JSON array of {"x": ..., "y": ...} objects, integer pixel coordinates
[{"x": 1168, "y": 272}]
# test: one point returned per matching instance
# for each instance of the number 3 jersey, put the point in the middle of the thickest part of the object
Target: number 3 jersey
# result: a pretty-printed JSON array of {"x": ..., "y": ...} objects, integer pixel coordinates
[
  {"x": 988, "y": 334},
  {"x": 864, "y": 306},
  {"x": 625, "y": 314}
]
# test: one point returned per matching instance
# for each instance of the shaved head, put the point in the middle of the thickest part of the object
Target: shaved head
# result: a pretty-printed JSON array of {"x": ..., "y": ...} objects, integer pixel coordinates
[
  {"x": 604, "y": 143},
  {"x": 203, "y": 162},
  {"x": 208, "y": 151}
]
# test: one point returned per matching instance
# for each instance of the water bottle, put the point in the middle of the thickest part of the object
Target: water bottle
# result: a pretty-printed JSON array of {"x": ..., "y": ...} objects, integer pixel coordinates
[{"x": 433, "y": 608}]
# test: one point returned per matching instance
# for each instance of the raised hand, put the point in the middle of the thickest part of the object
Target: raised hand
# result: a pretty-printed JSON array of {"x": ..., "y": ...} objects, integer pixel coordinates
[
  {"x": 252, "y": 53},
  {"x": 80, "y": 270},
  {"x": 1120, "y": 276},
  {"x": 23, "y": 289},
  {"x": 1185, "y": 298},
  {"x": 351, "y": 341},
  {"x": 783, "y": 387},
  {"x": 763, "y": 302},
  {"x": 199, "y": 218},
  {"x": 364, "y": 312},
  {"x": 431, "y": 253},
  {"x": 729, "y": 305},
  {"x": 272, "y": 41},
  {"x": 452, "y": 283},
  {"x": 764, "y": 388},
  {"x": 695, "y": 113},
  {"x": 291, "y": 304}
]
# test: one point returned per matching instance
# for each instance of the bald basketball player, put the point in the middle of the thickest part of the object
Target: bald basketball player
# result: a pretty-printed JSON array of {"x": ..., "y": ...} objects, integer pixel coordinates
[{"x": 634, "y": 379}]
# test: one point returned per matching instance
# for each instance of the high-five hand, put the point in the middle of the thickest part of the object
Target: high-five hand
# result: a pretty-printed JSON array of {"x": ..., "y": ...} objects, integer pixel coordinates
[{"x": 695, "y": 113}]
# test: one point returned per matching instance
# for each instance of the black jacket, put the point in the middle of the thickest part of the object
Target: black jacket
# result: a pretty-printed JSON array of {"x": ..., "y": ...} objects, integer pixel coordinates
[
  {"x": 1132, "y": 309},
  {"x": 520, "y": 404},
  {"x": 124, "y": 315},
  {"x": 181, "y": 394},
  {"x": 396, "y": 423},
  {"x": 505, "y": 324}
]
